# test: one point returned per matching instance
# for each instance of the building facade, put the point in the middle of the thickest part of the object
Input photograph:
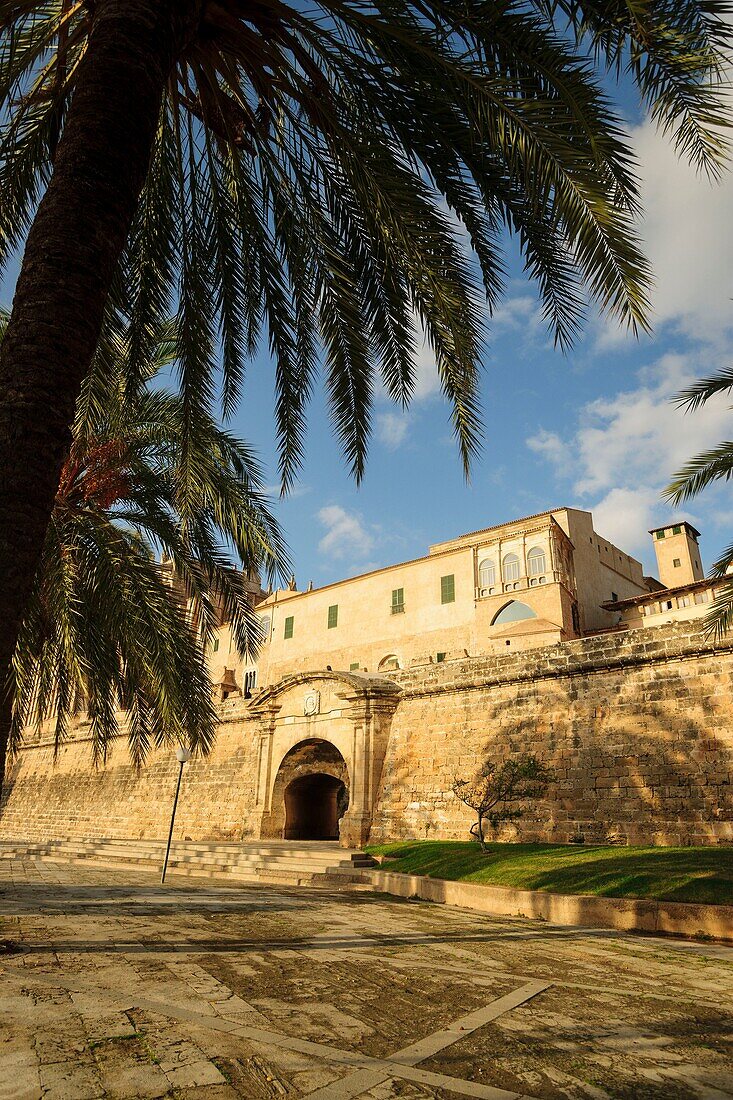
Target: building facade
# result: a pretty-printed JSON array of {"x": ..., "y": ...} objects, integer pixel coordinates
[
  {"x": 372, "y": 695},
  {"x": 683, "y": 592},
  {"x": 521, "y": 585}
]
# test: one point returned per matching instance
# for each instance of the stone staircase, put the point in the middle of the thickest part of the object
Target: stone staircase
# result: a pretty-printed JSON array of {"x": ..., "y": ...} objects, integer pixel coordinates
[{"x": 289, "y": 863}]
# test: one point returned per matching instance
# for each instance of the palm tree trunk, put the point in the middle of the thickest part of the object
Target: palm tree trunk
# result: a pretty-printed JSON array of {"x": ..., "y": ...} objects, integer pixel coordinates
[
  {"x": 70, "y": 256},
  {"x": 6, "y": 714}
]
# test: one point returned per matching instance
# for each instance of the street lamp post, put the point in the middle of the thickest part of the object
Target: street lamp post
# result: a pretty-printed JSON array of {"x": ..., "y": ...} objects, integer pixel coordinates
[{"x": 182, "y": 755}]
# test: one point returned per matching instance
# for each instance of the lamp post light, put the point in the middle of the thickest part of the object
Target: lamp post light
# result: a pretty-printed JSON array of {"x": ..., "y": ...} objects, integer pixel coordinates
[{"x": 182, "y": 756}]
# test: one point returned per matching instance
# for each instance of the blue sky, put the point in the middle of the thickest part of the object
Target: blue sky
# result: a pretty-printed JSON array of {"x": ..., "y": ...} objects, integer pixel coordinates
[{"x": 593, "y": 428}]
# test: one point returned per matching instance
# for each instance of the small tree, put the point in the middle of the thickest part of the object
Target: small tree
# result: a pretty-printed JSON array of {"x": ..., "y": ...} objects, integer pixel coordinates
[{"x": 497, "y": 787}]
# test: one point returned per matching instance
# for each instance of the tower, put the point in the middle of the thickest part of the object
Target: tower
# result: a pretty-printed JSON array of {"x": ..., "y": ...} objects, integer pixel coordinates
[{"x": 678, "y": 554}]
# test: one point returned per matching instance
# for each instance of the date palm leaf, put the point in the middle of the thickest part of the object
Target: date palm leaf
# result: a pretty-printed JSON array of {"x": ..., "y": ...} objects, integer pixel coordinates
[
  {"x": 136, "y": 573},
  {"x": 316, "y": 173},
  {"x": 697, "y": 474}
]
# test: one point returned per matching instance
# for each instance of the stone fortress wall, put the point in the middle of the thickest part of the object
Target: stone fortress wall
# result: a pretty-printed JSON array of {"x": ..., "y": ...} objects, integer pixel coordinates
[{"x": 637, "y": 725}]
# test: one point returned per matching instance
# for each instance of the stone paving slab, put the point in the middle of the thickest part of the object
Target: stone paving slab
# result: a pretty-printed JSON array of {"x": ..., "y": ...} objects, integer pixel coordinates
[{"x": 115, "y": 987}]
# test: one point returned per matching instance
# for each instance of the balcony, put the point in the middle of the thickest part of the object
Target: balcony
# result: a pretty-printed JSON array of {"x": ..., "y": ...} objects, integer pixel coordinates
[{"x": 521, "y": 583}]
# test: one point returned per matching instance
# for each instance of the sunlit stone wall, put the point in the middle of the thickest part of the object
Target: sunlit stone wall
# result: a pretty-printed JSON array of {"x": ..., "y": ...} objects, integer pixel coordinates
[{"x": 638, "y": 727}]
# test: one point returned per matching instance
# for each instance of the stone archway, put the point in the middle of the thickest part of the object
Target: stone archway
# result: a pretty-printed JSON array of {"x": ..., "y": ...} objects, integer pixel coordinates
[
  {"x": 314, "y": 806},
  {"x": 310, "y": 794},
  {"x": 322, "y": 723}
]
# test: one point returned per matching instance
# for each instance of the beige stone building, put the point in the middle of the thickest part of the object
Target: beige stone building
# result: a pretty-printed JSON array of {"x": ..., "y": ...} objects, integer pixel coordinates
[
  {"x": 371, "y": 695},
  {"x": 683, "y": 593},
  {"x": 532, "y": 582}
]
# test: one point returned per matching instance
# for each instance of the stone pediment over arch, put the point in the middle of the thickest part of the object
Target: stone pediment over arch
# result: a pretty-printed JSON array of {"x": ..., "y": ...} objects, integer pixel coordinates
[
  {"x": 348, "y": 684},
  {"x": 351, "y": 712}
]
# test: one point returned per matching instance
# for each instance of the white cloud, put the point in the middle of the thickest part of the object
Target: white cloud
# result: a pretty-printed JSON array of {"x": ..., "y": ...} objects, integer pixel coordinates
[
  {"x": 297, "y": 490},
  {"x": 457, "y": 225},
  {"x": 625, "y": 515},
  {"x": 640, "y": 436},
  {"x": 627, "y": 447},
  {"x": 346, "y": 534},
  {"x": 550, "y": 446},
  {"x": 427, "y": 380},
  {"x": 608, "y": 334},
  {"x": 688, "y": 236},
  {"x": 392, "y": 429},
  {"x": 518, "y": 318},
  {"x": 516, "y": 312}
]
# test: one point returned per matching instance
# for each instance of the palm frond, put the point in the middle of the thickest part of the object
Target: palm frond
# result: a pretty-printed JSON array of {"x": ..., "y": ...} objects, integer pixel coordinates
[
  {"x": 699, "y": 472},
  {"x": 678, "y": 53},
  {"x": 719, "y": 620},
  {"x": 703, "y": 390},
  {"x": 110, "y": 631},
  {"x": 305, "y": 159}
]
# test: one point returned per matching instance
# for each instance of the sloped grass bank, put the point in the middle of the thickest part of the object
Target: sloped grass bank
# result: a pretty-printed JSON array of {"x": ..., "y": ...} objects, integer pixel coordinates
[{"x": 701, "y": 875}]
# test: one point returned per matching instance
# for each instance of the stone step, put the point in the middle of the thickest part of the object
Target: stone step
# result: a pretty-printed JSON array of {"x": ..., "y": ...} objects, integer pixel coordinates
[
  {"x": 262, "y": 845},
  {"x": 325, "y": 860},
  {"x": 283, "y": 857},
  {"x": 226, "y": 866},
  {"x": 283, "y": 862},
  {"x": 259, "y": 874},
  {"x": 24, "y": 850},
  {"x": 283, "y": 850}
]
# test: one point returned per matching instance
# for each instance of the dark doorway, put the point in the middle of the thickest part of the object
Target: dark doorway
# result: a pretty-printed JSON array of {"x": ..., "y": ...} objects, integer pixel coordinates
[{"x": 313, "y": 806}]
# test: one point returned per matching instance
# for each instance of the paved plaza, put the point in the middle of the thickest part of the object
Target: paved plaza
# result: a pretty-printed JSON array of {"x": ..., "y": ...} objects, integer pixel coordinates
[{"x": 115, "y": 987}]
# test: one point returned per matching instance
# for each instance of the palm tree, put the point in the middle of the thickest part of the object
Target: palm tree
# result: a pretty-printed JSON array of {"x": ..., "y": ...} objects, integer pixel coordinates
[
  {"x": 291, "y": 173},
  {"x": 703, "y": 470},
  {"x": 108, "y": 625}
]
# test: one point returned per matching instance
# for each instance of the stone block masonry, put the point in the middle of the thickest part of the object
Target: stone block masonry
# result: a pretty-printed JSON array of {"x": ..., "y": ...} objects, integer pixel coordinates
[
  {"x": 48, "y": 798},
  {"x": 638, "y": 727}
]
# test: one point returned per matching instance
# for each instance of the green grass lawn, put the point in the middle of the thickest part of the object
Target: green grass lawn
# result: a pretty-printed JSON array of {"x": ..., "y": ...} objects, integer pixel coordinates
[{"x": 668, "y": 874}]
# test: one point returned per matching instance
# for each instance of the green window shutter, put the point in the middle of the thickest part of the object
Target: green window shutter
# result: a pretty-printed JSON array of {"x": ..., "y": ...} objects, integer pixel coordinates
[
  {"x": 289, "y": 626},
  {"x": 440, "y": 657},
  {"x": 398, "y": 600},
  {"x": 660, "y": 534},
  {"x": 215, "y": 645},
  {"x": 354, "y": 666},
  {"x": 333, "y": 616},
  {"x": 676, "y": 530},
  {"x": 448, "y": 589}
]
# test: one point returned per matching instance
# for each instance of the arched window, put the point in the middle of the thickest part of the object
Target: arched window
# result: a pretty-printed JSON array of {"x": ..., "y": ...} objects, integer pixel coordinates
[
  {"x": 513, "y": 612},
  {"x": 486, "y": 573},
  {"x": 511, "y": 567},
  {"x": 536, "y": 563},
  {"x": 389, "y": 664}
]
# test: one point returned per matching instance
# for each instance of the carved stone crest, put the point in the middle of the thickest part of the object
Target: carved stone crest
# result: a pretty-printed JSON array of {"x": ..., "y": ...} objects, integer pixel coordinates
[{"x": 312, "y": 703}]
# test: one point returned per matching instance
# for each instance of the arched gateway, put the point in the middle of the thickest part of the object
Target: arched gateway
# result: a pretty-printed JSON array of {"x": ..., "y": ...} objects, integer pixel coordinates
[
  {"x": 322, "y": 740},
  {"x": 312, "y": 789}
]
